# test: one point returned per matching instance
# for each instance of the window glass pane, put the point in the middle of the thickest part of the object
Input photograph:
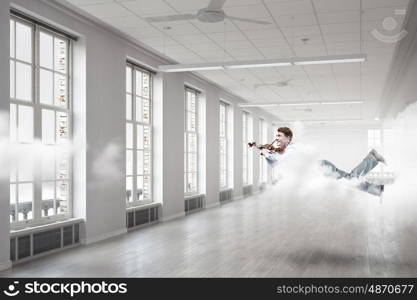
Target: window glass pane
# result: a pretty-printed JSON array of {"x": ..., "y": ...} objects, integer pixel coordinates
[
  {"x": 23, "y": 42},
  {"x": 128, "y": 80},
  {"x": 25, "y": 169},
  {"x": 147, "y": 190},
  {"x": 139, "y": 133},
  {"x": 222, "y": 162},
  {"x": 62, "y": 192},
  {"x": 222, "y": 113},
  {"x": 60, "y": 89},
  {"x": 191, "y": 121},
  {"x": 48, "y": 198},
  {"x": 147, "y": 162},
  {"x": 192, "y": 142},
  {"x": 25, "y": 201},
  {"x": 60, "y": 55},
  {"x": 23, "y": 82},
  {"x": 62, "y": 165},
  {"x": 12, "y": 39},
  {"x": 192, "y": 182},
  {"x": 129, "y": 135},
  {"x": 45, "y": 50},
  {"x": 185, "y": 162},
  {"x": 48, "y": 190},
  {"x": 13, "y": 123},
  {"x": 222, "y": 129},
  {"x": 138, "y": 85},
  {"x": 129, "y": 162},
  {"x": 192, "y": 162},
  {"x": 46, "y": 87},
  {"x": 61, "y": 126},
  {"x": 48, "y": 126},
  {"x": 146, "y": 137},
  {"x": 145, "y": 85},
  {"x": 222, "y": 146},
  {"x": 12, "y": 194},
  {"x": 146, "y": 111},
  {"x": 139, "y": 160},
  {"x": 185, "y": 182},
  {"x": 139, "y": 189},
  {"x": 128, "y": 107},
  {"x": 138, "y": 109},
  {"x": 25, "y": 126},
  {"x": 48, "y": 166},
  {"x": 12, "y": 78},
  {"x": 129, "y": 189},
  {"x": 191, "y": 102},
  {"x": 12, "y": 202}
]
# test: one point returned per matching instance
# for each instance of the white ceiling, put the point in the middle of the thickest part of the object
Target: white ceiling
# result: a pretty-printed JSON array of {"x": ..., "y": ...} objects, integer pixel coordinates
[{"x": 333, "y": 27}]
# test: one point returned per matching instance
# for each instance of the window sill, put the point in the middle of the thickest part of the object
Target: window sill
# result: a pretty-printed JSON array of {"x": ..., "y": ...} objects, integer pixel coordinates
[
  {"x": 186, "y": 197},
  {"x": 143, "y": 206},
  {"x": 43, "y": 227}
]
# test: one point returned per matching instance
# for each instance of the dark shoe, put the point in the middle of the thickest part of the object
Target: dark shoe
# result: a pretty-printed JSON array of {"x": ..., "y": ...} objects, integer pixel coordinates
[{"x": 378, "y": 156}]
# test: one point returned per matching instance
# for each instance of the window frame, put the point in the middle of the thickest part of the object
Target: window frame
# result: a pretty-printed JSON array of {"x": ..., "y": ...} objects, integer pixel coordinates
[
  {"x": 226, "y": 139},
  {"x": 186, "y": 148},
  {"x": 247, "y": 126},
  {"x": 135, "y": 202},
  {"x": 37, "y": 106},
  {"x": 262, "y": 162}
]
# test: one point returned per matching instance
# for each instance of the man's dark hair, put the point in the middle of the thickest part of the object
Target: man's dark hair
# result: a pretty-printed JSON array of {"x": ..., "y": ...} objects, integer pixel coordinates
[{"x": 286, "y": 131}]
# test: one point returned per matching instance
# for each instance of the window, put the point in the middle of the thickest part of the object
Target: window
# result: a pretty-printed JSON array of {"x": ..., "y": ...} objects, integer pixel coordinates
[
  {"x": 40, "y": 111},
  {"x": 262, "y": 162},
  {"x": 224, "y": 145},
  {"x": 375, "y": 142},
  {"x": 247, "y": 152},
  {"x": 191, "y": 142},
  {"x": 138, "y": 136}
]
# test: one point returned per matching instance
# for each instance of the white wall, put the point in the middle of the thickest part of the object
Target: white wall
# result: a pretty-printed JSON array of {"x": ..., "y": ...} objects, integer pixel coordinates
[
  {"x": 4, "y": 106},
  {"x": 99, "y": 121}
]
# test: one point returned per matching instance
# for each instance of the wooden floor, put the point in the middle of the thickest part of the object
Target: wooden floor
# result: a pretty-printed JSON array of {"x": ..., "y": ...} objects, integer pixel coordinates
[{"x": 259, "y": 236}]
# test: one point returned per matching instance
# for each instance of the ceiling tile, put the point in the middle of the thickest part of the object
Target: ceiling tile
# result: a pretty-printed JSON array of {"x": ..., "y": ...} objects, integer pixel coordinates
[
  {"x": 384, "y": 3},
  {"x": 126, "y": 21},
  {"x": 221, "y": 37},
  {"x": 339, "y": 17},
  {"x": 107, "y": 10},
  {"x": 340, "y": 28},
  {"x": 290, "y": 7},
  {"x": 336, "y": 5},
  {"x": 276, "y": 53},
  {"x": 148, "y": 8},
  {"x": 296, "y": 20},
  {"x": 186, "y": 5},
  {"x": 88, "y": 2},
  {"x": 177, "y": 28},
  {"x": 300, "y": 31},
  {"x": 274, "y": 34}
]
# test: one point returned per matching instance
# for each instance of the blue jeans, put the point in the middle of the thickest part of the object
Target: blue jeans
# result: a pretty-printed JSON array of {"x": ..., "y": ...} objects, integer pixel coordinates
[{"x": 367, "y": 164}]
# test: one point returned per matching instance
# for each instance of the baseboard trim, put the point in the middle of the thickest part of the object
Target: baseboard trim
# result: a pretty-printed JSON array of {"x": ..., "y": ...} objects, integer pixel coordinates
[
  {"x": 104, "y": 236},
  {"x": 173, "y": 217},
  {"x": 4, "y": 265}
]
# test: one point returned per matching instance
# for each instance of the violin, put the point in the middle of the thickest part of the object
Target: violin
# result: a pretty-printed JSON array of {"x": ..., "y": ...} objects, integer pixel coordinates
[{"x": 269, "y": 147}]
